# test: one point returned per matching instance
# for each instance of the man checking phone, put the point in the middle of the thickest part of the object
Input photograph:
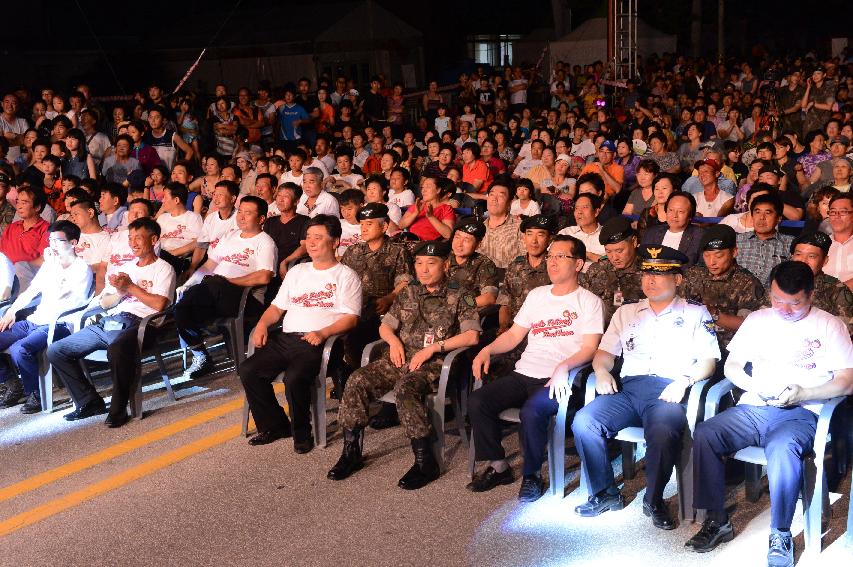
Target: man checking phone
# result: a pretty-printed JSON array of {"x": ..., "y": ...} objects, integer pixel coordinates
[{"x": 801, "y": 357}]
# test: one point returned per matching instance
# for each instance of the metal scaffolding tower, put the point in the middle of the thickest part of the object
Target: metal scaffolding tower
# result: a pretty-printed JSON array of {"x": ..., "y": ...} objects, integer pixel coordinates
[{"x": 622, "y": 39}]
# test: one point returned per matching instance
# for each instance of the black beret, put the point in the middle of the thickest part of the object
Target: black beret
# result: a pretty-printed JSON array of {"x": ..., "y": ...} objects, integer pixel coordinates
[
  {"x": 718, "y": 237},
  {"x": 816, "y": 238},
  {"x": 615, "y": 230},
  {"x": 373, "y": 211},
  {"x": 542, "y": 222},
  {"x": 440, "y": 248},
  {"x": 661, "y": 259},
  {"x": 471, "y": 226}
]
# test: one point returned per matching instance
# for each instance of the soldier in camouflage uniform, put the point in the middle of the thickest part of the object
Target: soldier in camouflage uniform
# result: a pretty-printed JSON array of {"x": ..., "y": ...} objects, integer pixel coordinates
[
  {"x": 615, "y": 278},
  {"x": 729, "y": 291},
  {"x": 384, "y": 269},
  {"x": 427, "y": 318},
  {"x": 830, "y": 294},
  {"x": 523, "y": 274},
  {"x": 468, "y": 268}
]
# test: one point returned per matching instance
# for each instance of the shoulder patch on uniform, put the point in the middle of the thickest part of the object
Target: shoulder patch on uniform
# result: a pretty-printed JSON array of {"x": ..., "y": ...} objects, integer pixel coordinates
[
  {"x": 469, "y": 299},
  {"x": 710, "y": 327},
  {"x": 520, "y": 259},
  {"x": 694, "y": 302}
]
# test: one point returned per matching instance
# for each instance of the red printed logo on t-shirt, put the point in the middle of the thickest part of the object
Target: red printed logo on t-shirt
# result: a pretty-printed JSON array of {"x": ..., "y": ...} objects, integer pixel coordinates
[
  {"x": 555, "y": 327},
  {"x": 179, "y": 230},
  {"x": 324, "y": 299}
]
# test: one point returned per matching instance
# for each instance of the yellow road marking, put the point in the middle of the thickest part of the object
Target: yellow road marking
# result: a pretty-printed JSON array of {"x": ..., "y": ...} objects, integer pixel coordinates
[
  {"x": 119, "y": 449},
  {"x": 72, "y": 499}
]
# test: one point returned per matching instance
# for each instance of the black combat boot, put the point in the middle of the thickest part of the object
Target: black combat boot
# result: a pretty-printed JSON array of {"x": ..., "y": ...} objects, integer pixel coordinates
[
  {"x": 351, "y": 459},
  {"x": 425, "y": 470}
]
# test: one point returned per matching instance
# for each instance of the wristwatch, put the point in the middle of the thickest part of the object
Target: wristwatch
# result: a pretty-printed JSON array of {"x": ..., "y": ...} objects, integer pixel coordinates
[{"x": 440, "y": 346}]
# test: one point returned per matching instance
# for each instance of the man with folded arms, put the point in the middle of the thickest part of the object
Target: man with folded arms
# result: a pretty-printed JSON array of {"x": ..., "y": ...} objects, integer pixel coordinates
[
  {"x": 801, "y": 356},
  {"x": 563, "y": 323}
]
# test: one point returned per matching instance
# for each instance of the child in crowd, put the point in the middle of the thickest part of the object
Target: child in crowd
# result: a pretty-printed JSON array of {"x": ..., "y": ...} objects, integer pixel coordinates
[
  {"x": 351, "y": 201},
  {"x": 523, "y": 204},
  {"x": 442, "y": 121}
]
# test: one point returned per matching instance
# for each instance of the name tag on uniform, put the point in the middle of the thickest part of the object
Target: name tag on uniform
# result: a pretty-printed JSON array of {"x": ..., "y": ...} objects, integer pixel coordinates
[
  {"x": 618, "y": 298},
  {"x": 429, "y": 338}
]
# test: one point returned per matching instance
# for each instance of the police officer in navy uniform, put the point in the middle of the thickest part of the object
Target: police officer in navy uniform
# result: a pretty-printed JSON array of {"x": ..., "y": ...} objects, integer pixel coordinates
[{"x": 667, "y": 344}]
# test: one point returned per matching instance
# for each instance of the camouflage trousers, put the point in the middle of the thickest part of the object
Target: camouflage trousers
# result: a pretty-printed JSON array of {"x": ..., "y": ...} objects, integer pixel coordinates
[{"x": 373, "y": 381}]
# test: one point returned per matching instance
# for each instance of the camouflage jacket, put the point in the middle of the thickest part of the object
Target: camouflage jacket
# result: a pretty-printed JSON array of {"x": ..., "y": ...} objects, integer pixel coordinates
[
  {"x": 605, "y": 281},
  {"x": 733, "y": 292},
  {"x": 477, "y": 273},
  {"x": 420, "y": 317},
  {"x": 380, "y": 270},
  {"x": 519, "y": 279},
  {"x": 831, "y": 295}
]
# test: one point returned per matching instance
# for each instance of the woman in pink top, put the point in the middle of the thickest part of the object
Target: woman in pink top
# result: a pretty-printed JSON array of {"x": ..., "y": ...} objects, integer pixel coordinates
[{"x": 429, "y": 218}]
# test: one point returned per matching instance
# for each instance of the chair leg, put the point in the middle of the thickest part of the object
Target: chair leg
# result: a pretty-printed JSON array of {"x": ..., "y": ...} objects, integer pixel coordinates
[
  {"x": 245, "y": 419},
  {"x": 136, "y": 396},
  {"x": 557, "y": 457},
  {"x": 684, "y": 480},
  {"x": 46, "y": 389},
  {"x": 753, "y": 482},
  {"x": 165, "y": 376},
  {"x": 239, "y": 342},
  {"x": 436, "y": 410},
  {"x": 472, "y": 463},
  {"x": 318, "y": 413},
  {"x": 629, "y": 466},
  {"x": 814, "y": 493},
  {"x": 460, "y": 422}
]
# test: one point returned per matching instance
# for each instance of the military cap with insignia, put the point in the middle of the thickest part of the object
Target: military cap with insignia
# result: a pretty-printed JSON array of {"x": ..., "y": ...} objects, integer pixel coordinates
[
  {"x": 542, "y": 222},
  {"x": 615, "y": 230},
  {"x": 816, "y": 238},
  {"x": 659, "y": 259},
  {"x": 471, "y": 226},
  {"x": 718, "y": 237},
  {"x": 373, "y": 211},
  {"x": 439, "y": 248}
]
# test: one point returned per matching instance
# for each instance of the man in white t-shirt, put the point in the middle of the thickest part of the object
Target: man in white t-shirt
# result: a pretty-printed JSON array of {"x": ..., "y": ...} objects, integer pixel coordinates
[
  {"x": 244, "y": 258},
  {"x": 563, "y": 324},
  {"x": 667, "y": 345},
  {"x": 317, "y": 299},
  {"x": 587, "y": 228},
  {"x": 119, "y": 253},
  {"x": 63, "y": 281},
  {"x": 220, "y": 220},
  {"x": 315, "y": 201},
  {"x": 840, "y": 263},
  {"x": 180, "y": 227},
  {"x": 145, "y": 287},
  {"x": 801, "y": 357},
  {"x": 94, "y": 241}
]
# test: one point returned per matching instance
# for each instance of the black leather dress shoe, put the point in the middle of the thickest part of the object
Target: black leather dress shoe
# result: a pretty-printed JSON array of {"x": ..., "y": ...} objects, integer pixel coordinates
[
  {"x": 117, "y": 419},
  {"x": 96, "y": 407},
  {"x": 600, "y": 503},
  {"x": 489, "y": 479},
  {"x": 659, "y": 515},
  {"x": 710, "y": 536},
  {"x": 266, "y": 437},
  {"x": 532, "y": 488},
  {"x": 303, "y": 446}
]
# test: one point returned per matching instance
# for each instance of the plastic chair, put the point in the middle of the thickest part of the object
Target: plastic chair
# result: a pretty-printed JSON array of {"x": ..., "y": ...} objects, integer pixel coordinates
[
  {"x": 556, "y": 439},
  {"x": 815, "y": 491},
  {"x": 318, "y": 394},
  {"x": 155, "y": 321},
  {"x": 435, "y": 402},
  {"x": 630, "y": 437},
  {"x": 13, "y": 294}
]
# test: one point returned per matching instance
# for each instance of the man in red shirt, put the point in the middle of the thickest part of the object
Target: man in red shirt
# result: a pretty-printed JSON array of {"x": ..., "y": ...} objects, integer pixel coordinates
[
  {"x": 24, "y": 241},
  {"x": 475, "y": 172}
]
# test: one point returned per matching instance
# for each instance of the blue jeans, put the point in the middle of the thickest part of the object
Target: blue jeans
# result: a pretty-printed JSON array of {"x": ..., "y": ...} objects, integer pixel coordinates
[
  {"x": 787, "y": 434},
  {"x": 636, "y": 404},
  {"x": 24, "y": 341}
]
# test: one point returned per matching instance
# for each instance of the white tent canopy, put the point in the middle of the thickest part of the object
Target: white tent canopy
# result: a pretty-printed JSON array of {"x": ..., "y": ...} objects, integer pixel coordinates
[{"x": 588, "y": 42}]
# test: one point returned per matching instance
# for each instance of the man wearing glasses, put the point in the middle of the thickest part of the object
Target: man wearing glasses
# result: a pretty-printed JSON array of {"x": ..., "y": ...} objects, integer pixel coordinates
[
  {"x": 562, "y": 323},
  {"x": 612, "y": 173},
  {"x": 840, "y": 263}
]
